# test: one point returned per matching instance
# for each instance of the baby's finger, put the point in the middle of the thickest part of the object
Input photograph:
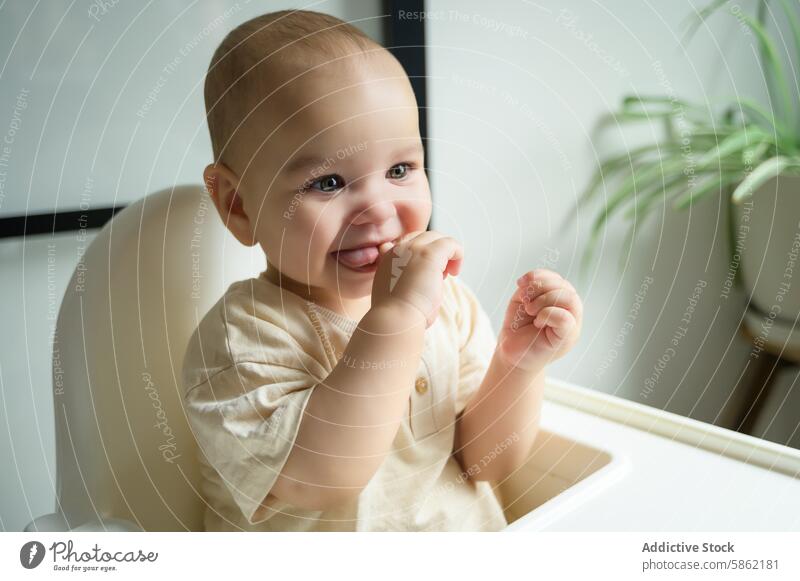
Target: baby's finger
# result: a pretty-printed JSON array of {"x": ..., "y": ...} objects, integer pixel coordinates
[
  {"x": 554, "y": 340},
  {"x": 453, "y": 268},
  {"x": 536, "y": 274},
  {"x": 516, "y": 317},
  {"x": 537, "y": 287},
  {"x": 533, "y": 276},
  {"x": 445, "y": 251},
  {"x": 559, "y": 320},
  {"x": 385, "y": 247},
  {"x": 559, "y": 297},
  {"x": 448, "y": 251}
]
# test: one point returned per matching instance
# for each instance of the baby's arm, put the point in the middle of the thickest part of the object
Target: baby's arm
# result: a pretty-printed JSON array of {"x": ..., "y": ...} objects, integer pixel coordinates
[
  {"x": 352, "y": 417},
  {"x": 542, "y": 323},
  {"x": 504, "y": 411}
]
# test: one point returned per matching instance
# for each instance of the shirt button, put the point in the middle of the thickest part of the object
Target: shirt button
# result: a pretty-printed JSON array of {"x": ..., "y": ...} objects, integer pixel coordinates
[{"x": 421, "y": 385}]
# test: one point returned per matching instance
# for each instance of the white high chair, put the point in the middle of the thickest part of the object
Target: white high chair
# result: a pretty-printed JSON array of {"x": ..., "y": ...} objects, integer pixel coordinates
[
  {"x": 125, "y": 453},
  {"x": 126, "y": 457}
]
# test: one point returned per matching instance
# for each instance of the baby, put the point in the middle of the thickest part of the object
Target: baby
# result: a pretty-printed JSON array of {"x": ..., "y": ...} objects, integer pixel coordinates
[{"x": 357, "y": 383}]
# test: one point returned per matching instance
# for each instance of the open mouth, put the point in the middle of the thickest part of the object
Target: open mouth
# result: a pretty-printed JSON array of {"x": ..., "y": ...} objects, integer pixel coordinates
[{"x": 358, "y": 259}]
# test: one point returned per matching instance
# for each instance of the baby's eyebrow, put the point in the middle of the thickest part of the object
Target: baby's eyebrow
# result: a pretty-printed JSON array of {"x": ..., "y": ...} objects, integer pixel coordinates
[
  {"x": 305, "y": 161},
  {"x": 411, "y": 149}
]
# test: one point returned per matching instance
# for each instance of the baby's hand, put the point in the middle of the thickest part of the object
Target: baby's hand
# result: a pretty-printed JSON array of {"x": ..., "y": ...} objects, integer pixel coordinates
[
  {"x": 542, "y": 322},
  {"x": 413, "y": 270}
]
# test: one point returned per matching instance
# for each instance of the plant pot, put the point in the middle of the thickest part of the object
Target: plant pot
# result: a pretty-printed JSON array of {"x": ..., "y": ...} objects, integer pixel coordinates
[{"x": 767, "y": 234}]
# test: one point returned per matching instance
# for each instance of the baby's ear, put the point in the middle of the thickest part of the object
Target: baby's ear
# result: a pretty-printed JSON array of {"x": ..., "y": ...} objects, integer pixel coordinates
[{"x": 222, "y": 185}]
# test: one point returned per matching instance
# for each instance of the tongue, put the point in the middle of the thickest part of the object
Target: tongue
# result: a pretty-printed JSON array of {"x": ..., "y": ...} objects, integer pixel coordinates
[{"x": 358, "y": 257}]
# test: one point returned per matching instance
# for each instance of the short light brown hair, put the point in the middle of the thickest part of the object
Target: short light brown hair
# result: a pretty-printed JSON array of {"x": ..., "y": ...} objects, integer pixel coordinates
[{"x": 248, "y": 61}]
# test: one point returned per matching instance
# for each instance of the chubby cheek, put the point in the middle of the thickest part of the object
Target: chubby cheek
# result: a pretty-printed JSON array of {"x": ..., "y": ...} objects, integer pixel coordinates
[
  {"x": 415, "y": 211},
  {"x": 291, "y": 240},
  {"x": 308, "y": 238}
]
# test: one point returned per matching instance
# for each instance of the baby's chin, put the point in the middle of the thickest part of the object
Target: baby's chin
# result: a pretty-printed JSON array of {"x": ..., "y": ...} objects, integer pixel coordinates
[{"x": 352, "y": 287}]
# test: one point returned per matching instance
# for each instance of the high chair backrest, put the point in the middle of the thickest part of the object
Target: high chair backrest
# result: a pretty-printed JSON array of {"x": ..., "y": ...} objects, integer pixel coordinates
[{"x": 124, "y": 447}]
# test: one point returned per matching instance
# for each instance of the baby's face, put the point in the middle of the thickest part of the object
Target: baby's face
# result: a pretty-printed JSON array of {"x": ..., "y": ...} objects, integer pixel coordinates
[{"x": 343, "y": 169}]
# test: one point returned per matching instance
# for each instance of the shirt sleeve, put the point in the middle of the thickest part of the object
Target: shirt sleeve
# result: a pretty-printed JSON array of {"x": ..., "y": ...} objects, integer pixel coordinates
[
  {"x": 477, "y": 342},
  {"x": 245, "y": 419}
]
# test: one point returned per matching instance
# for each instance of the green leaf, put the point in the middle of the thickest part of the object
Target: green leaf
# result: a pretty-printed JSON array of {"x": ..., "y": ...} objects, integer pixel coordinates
[
  {"x": 716, "y": 161},
  {"x": 755, "y": 153},
  {"x": 770, "y": 168},
  {"x": 699, "y": 17},
  {"x": 771, "y": 64},
  {"x": 608, "y": 168},
  {"x": 645, "y": 200},
  {"x": 707, "y": 187},
  {"x": 794, "y": 22},
  {"x": 644, "y": 105},
  {"x": 736, "y": 142},
  {"x": 637, "y": 108},
  {"x": 648, "y": 173},
  {"x": 767, "y": 121}
]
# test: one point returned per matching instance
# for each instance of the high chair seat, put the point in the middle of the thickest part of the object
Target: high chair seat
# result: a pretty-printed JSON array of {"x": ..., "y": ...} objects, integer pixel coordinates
[{"x": 125, "y": 455}]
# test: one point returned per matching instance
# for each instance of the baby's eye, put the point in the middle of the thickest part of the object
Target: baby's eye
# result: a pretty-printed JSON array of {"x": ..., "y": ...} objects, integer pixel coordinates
[
  {"x": 327, "y": 184},
  {"x": 399, "y": 171}
]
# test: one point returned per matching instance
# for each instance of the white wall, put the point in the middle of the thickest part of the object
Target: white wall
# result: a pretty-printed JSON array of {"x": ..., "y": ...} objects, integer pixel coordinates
[{"x": 515, "y": 89}]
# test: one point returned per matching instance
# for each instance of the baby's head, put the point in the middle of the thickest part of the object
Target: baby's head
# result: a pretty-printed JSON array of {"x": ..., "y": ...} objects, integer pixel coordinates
[{"x": 315, "y": 133}]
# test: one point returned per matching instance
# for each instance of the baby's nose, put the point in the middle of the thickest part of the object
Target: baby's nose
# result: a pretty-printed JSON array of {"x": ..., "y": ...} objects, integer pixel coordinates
[{"x": 374, "y": 211}]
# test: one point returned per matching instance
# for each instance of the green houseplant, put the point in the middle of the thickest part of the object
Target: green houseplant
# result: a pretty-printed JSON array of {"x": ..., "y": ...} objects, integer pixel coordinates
[{"x": 732, "y": 150}]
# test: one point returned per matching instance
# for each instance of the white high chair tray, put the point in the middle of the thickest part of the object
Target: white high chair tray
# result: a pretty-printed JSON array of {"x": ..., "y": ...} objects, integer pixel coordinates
[{"x": 619, "y": 465}]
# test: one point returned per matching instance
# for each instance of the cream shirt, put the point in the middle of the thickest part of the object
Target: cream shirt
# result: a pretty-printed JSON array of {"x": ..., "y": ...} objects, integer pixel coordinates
[{"x": 249, "y": 370}]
